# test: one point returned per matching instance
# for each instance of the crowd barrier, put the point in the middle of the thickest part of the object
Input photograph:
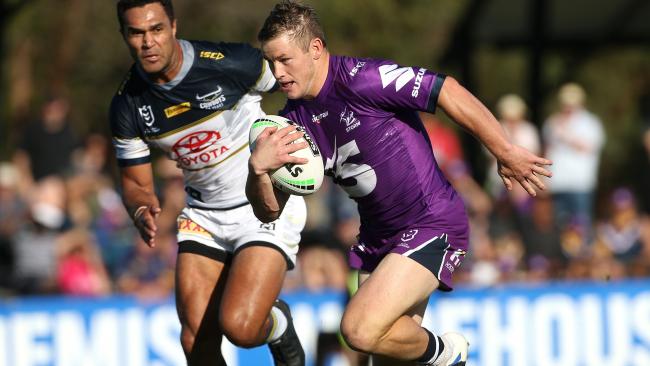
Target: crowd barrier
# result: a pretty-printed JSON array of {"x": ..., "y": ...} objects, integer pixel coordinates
[{"x": 557, "y": 324}]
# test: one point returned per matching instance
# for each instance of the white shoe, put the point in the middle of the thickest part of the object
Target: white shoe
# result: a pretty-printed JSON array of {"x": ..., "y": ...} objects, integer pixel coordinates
[{"x": 455, "y": 352}]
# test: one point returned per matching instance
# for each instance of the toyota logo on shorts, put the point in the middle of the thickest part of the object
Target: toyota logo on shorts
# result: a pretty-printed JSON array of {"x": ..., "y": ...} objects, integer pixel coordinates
[{"x": 195, "y": 142}]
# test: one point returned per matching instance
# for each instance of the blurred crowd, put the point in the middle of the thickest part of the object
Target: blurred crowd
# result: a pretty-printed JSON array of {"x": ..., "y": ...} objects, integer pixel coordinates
[{"x": 63, "y": 229}]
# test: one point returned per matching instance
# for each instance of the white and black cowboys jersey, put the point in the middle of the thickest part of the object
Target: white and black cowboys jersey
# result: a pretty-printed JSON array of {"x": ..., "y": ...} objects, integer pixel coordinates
[{"x": 201, "y": 119}]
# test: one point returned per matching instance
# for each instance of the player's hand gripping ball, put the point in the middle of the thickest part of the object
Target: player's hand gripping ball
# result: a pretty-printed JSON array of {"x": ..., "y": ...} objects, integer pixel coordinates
[{"x": 298, "y": 179}]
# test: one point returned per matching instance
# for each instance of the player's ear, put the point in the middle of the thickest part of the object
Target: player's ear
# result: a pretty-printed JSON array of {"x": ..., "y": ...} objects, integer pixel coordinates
[
  {"x": 316, "y": 48},
  {"x": 174, "y": 27}
]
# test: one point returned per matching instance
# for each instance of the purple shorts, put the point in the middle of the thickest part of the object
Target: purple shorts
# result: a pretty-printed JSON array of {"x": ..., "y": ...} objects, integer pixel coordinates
[{"x": 438, "y": 251}]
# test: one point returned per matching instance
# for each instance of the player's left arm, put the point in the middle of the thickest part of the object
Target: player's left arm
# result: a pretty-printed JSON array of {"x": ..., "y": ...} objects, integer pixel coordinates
[{"x": 515, "y": 162}]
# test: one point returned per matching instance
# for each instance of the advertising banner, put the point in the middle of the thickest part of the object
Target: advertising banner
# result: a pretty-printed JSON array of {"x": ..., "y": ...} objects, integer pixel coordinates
[{"x": 559, "y": 324}]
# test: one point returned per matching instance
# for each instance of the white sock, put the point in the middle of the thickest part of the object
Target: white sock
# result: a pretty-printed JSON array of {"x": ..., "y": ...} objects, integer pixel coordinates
[
  {"x": 444, "y": 356},
  {"x": 280, "y": 324}
]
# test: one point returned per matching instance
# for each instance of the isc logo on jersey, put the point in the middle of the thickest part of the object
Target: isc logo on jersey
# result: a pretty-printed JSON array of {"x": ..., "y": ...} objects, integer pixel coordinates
[
  {"x": 401, "y": 76},
  {"x": 211, "y": 55}
]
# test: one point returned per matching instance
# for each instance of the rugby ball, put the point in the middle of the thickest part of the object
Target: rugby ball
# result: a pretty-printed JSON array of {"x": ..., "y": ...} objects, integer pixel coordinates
[{"x": 298, "y": 179}]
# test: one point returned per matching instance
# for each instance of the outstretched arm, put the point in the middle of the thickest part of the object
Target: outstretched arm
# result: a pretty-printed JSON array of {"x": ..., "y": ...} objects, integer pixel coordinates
[
  {"x": 140, "y": 200},
  {"x": 515, "y": 162},
  {"x": 271, "y": 151}
]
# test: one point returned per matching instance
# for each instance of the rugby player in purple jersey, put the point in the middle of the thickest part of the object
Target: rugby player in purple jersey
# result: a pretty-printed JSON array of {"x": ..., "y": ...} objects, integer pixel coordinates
[{"x": 362, "y": 114}]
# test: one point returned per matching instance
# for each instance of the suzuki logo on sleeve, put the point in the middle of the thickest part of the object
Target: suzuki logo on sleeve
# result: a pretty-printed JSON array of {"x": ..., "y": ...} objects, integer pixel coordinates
[
  {"x": 389, "y": 73},
  {"x": 418, "y": 82},
  {"x": 147, "y": 114}
]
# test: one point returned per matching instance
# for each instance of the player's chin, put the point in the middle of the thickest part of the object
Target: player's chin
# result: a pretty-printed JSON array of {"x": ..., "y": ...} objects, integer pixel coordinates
[
  {"x": 151, "y": 67},
  {"x": 294, "y": 94}
]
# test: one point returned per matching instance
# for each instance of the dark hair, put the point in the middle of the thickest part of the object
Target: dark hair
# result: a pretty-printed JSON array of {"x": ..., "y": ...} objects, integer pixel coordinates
[
  {"x": 299, "y": 21},
  {"x": 124, "y": 5}
]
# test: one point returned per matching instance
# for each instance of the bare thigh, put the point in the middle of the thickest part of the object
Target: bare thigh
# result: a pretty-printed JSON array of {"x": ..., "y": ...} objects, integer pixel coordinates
[
  {"x": 397, "y": 287},
  {"x": 416, "y": 313},
  {"x": 384, "y": 315},
  {"x": 254, "y": 282}
]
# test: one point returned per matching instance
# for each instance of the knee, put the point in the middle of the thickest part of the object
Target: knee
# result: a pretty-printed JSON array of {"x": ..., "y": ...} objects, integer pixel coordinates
[
  {"x": 241, "y": 330},
  {"x": 359, "y": 334}
]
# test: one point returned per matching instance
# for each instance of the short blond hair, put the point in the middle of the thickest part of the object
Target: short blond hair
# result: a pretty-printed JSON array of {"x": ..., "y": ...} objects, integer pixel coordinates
[{"x": 294, "y": 19}]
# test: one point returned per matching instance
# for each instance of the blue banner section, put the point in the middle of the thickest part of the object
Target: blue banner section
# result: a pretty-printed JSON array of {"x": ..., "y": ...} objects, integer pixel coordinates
[{"x": 581, "y": 324}]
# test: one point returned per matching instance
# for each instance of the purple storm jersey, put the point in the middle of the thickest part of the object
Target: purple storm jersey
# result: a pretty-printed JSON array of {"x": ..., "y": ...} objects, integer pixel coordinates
[{"x": 374, "y": 145}]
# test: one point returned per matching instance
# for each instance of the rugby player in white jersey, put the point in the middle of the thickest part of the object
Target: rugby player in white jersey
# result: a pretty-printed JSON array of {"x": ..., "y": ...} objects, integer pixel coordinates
[{"x": 196, "y": 102}]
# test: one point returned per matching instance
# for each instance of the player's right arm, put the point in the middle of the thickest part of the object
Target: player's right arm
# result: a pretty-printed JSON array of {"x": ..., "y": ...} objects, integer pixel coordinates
[
  {"x": 140, "y": 199},
  {"x": 136, "y": 176},
  {"x": 271, "y": 151},
  {"x": 514, "y": 163}
]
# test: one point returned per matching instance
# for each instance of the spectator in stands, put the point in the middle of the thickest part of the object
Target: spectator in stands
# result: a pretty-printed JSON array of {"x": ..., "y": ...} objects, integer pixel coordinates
[
  {"x": 541, "y": 236},
  {"x": 483, "y": 269},
  {"x": 81, "y": 271},
  {"x": 36, "y": 245},
  {"x": 540, "y": 269},
  {"x": 620, "y": 232},
  {"x": 148, "y": 273},
  {"x": 511, "y": 110},
  {"x": 91, "y": 158},
  {"x": 47, "y": 144},
  {"x": 573, "y": 139},
  {"x": 603, "y": 264},
  {"x": 510, "y": 257}
]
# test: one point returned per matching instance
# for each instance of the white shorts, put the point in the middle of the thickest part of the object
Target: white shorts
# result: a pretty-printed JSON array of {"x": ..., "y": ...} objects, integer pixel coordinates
[{"x": 219, "y": 234}]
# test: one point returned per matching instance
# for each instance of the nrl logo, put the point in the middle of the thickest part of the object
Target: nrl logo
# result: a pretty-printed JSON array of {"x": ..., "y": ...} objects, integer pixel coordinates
[{"x": 147, "y": 114}]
